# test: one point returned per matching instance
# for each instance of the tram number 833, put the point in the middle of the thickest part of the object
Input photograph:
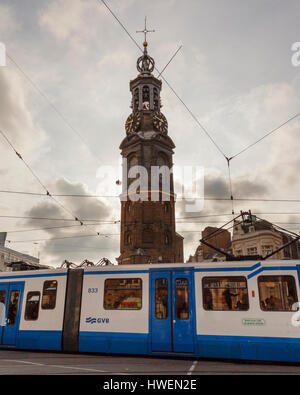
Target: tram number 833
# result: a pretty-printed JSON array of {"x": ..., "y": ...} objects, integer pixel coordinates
[{"x": 93, "y": 290}]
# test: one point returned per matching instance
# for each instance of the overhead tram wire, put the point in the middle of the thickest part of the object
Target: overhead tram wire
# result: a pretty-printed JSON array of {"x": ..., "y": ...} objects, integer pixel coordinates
[
  {"x": 250, "y": 146},
  {"x": 37, "y": 178},
  {"x": 209, "y": 198},
  {"x": 41, "y": 183},
  {"x": 169, "y": 61},
  {"x": 57, "y": 227},
  {"x": 172, "y": 89},
  {"x": 266, "y": 135},
  {"x": 160, "y": 73},
  {"x": 49, "y": 102},
  {"x": 117, "y": 223},
  {"x": 228, "y": 160},
  {"x": 108, "y": 235},
  {"x": 182, "y": 102},
  {"x": 279, "y": 227},
  {"x": 62, "y": 238}
]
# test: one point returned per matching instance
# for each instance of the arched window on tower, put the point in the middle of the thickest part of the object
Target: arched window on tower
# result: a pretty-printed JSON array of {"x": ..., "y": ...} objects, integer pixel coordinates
[
  {"x": 167, "y": 238},
  {"x": 128, "y": 238},
  {"x": 146, "y": 97},
  {"x": 164, "y": 180},
  {"x": 156, "y": 99},
  {"x": 136, "y": 99}
]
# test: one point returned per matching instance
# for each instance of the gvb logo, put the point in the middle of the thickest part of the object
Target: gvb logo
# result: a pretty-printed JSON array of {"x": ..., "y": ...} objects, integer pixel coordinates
[{"x": 2, "y": 55}]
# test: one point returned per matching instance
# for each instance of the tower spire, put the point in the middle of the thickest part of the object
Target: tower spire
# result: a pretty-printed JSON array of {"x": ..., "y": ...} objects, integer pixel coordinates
[
  {"x": 145, "y": 31},
  {"x": 145, "y": 64}
]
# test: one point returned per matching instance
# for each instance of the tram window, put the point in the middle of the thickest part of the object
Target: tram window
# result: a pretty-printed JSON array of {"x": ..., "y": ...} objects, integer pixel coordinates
[
  {"x": 49, "y": 295},
  {"x": 225, "y": 293},
  {"x": 32, "y": 306},
  {"x": 181, "y": 298},
  {"x": 161, "y": 298},
  {"x": 12, "y": 308},
  {"x": 123, "y": 294},
  {"x": 277, "y": 293}
]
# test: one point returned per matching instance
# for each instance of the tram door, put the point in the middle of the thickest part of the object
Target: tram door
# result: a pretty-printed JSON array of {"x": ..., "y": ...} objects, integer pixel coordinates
[
  {"x": 172, "y": 313},
  {"x": 10, "y": 306}
]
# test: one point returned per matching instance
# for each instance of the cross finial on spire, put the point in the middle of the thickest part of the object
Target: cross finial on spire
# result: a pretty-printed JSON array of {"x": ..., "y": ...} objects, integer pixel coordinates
[{"x": 145, "y": 31}]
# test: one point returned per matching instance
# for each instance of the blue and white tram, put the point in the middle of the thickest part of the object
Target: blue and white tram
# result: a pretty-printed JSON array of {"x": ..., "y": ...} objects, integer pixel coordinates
[{"x": 236, "y": 310}]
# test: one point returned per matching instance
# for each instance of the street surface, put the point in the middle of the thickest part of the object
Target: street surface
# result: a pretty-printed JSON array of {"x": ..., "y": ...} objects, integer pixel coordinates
[{"x": 30, "y": 362}]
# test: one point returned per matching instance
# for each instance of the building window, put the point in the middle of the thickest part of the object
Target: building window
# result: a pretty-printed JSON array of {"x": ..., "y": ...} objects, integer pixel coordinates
[
  {"x": 123, "y": 294},
  {"x": 13, "y": 307},
  {"x": 277, "y": 293},
  {"x": 49, "y": 295},
  {"x": 225, "y": 293},
  {"x": 252, "y": 251},
  {"x": 266, "y": 249},
  {"x": 32, "y": 306}
]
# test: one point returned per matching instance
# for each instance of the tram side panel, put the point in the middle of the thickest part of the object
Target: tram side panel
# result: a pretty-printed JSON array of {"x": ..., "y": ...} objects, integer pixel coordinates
[
  {"x": 248, "y": 331},
  {"x": 114, "y": 313},
  {"x": 42, "y": 312}
]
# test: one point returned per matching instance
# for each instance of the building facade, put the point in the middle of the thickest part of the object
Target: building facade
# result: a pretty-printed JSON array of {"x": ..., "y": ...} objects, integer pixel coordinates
[
  {"x": 9, "y": 257},
  {"x": 256, "y": 238},
  {"x": 219, "y": 238},
  {"x": 148, "y": 233}
]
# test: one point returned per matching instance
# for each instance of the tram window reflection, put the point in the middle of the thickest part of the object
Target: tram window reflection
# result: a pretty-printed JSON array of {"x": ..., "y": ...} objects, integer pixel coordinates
[
  {"x": 277, "y": 293},
  {"x": 2, "y": 307},
  {"x": 123, "y": 294},
  {"x": 182, "y": 299},
  {"x": 225, "y": 293},
  {"x": 49, "y": 295},
  {"x": 12, "y": 308},
  {"x": 32, "y": 306},
  {"x": 161, "y": 298}
]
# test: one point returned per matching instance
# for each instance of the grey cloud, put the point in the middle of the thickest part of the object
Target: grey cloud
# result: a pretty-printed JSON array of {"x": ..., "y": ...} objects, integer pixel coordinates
[{"x": 78, "y": 248}]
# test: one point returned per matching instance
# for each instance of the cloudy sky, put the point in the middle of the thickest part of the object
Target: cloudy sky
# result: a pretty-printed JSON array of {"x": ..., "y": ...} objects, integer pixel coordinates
[{"x": 234, "y": 72}]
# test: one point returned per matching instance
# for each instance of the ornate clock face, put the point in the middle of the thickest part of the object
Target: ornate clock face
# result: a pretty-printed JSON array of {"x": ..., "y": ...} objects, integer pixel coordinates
[
  {"x": 160, "y": 122},
  {"x": 133, "y": 122}
]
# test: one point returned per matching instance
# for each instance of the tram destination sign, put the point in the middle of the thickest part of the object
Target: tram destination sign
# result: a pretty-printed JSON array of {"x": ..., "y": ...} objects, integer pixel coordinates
[{"x": 253, "y": 321}]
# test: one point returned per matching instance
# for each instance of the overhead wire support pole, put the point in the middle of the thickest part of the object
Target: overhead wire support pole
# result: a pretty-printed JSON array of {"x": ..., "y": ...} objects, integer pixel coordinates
[{"x": 230, "y": 184}]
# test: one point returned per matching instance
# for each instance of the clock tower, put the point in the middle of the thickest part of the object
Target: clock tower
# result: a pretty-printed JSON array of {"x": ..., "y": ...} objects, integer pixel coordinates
[{"x": 148, "y": 232}]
